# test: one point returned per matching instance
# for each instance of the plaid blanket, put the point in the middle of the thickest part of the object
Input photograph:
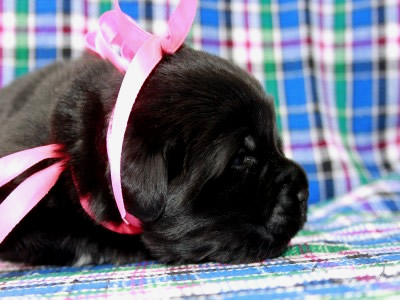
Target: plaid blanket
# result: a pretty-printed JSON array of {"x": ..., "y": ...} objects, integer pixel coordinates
[
  {"x": 333, "y": 68},
  {"x": 349, "y": 249}
]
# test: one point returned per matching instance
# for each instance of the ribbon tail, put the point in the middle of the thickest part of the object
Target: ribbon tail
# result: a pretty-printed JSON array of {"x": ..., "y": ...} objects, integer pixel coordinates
[
  {"x": 26, "y": 196},
  {"x": 139, "y": 69}
]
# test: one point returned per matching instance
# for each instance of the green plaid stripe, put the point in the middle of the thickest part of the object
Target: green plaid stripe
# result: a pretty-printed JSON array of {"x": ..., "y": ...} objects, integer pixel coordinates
[
  {"x": 22, "y": 49},
  {"x": 341, "y": 19},
  {"x": 104, "y": 6},
  {"x": 270, "y": 80}
]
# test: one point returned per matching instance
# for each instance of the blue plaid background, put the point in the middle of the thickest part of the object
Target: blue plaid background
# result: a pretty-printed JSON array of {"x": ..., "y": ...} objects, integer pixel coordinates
[{"x": 332, "y": 67}]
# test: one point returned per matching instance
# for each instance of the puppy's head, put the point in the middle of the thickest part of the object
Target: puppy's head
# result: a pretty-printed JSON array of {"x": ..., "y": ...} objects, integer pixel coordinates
[{"x": 203, "y": 166}]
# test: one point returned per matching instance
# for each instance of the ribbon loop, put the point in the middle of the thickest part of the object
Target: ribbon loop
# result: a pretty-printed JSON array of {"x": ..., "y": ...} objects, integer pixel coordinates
[
  {"x": 179, "y": 26},
  {"x": 118, "y": 29},
  {"x": 133, "y": 36}
]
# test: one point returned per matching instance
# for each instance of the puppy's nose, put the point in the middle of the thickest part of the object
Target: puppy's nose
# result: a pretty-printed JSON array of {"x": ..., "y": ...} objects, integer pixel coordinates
[{"x": 302, "y": 196}]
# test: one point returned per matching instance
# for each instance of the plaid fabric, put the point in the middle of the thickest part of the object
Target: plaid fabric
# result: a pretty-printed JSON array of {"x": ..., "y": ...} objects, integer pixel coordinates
[
  {"x": 334, "y": 70},
  {"x": 350, "y": 249}
]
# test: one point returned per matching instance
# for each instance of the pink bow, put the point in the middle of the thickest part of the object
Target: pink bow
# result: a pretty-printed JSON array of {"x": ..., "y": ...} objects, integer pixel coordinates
[{"x": 139, "y": 54}]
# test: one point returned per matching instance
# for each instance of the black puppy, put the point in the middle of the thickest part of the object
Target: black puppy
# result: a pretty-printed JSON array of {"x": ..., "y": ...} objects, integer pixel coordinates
[{"x": 202, "y": 166}]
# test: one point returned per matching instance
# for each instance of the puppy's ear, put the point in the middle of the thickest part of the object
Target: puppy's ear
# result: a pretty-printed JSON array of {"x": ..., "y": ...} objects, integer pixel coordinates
[{"x": 144, "y": 184}]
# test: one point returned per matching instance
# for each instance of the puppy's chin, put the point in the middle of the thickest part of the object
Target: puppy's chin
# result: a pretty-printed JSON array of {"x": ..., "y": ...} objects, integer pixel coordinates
[
  {"x": 289, "y": 210},
  {"x": 286, "y": 219},
  {"x": 217, "y": 240}
]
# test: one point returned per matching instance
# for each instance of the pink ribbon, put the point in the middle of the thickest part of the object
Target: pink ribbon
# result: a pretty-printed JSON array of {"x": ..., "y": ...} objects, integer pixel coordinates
[
  {"x": 139, "y": 54},
  {"x": 25, "y": 197}
]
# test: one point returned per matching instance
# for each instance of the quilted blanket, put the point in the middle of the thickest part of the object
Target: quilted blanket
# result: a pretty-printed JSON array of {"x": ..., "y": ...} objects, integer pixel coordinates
[{"x": 333, "y": 68}]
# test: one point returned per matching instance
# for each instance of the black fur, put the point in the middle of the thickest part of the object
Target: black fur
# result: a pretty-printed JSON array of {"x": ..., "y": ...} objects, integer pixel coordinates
[{"x": 202, "y": 165}]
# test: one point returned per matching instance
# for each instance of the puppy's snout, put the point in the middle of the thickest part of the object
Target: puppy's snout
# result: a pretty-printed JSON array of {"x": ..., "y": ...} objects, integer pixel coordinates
[{"x": 293, "y": 176}]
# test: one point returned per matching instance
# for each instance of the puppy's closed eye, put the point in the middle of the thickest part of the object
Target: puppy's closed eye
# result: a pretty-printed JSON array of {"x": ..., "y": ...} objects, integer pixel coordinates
[
  {"x": 245, "y": 157},
  {"x": 241, "y": 160}
]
